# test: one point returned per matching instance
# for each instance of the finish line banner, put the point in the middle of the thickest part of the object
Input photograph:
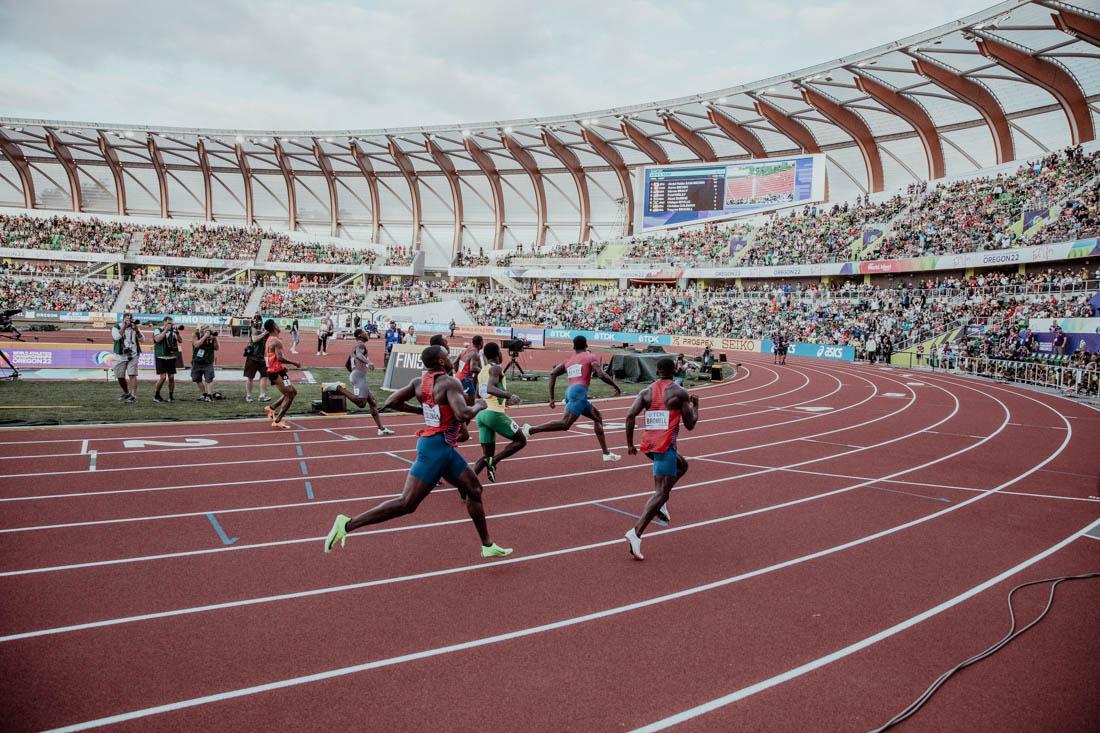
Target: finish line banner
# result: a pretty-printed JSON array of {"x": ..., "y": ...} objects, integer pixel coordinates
[{"x": 404, "y": 366}]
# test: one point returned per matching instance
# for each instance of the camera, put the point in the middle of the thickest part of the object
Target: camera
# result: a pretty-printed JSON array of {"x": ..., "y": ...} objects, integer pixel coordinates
[{"x": 515, "y": 346}]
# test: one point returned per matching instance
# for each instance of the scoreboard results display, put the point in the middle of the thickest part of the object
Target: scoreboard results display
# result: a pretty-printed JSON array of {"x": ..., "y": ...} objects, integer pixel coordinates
[{"x": 695, "y": 193}]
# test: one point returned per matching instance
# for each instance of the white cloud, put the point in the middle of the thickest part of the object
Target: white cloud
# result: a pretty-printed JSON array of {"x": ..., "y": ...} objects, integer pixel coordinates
[{"x": 345, "y": 64}]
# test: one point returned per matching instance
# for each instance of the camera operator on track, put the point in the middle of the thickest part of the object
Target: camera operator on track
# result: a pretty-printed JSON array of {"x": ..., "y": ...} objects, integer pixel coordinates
[
  {"x": 204, "y": 347},
  {"x": 127, "y": 347},
  {"x": 166, "y": 352},
  {"x": 254, "y": 358}
]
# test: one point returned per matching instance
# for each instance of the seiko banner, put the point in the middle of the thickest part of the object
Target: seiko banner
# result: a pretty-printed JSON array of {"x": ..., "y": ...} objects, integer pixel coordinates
[{"x": 717, "y": 343}]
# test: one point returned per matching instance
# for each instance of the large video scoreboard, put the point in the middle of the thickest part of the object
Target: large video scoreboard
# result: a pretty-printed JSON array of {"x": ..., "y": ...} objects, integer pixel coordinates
[{"x": 687, "y": 194}]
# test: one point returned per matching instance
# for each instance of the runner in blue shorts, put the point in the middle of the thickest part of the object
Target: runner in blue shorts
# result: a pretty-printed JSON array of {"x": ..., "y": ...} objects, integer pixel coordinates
[
  {"x": 667, "y": 405},
  {"x": 445, "y": 412},
  {"x": 579, "y": 369}
]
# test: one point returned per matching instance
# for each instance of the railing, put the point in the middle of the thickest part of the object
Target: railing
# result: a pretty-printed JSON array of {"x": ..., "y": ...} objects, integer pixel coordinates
[{"x": 1051, "y": 372}]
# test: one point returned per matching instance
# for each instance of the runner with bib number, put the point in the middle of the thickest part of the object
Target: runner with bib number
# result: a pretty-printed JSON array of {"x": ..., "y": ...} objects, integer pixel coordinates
[
  {"x": 579, "y": 369},
  {"x": 493, "y": 420},
  {"x": 444, "y": 411},
  {"x": 667, "y": 405}
]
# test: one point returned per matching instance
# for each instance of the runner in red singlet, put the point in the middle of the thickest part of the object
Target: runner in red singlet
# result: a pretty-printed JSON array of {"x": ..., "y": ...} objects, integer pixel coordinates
[
  {"x": 445, "y": 412},
  {"x": 579, "y": 369},
  {"x": 276, "y": 362},
  {"x": 468, "y": 366},
  {"x": 667, "y": 405}
]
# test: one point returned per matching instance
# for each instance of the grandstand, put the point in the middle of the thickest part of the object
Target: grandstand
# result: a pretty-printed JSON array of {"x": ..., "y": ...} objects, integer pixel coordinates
[{"x": 827, "y": 555}]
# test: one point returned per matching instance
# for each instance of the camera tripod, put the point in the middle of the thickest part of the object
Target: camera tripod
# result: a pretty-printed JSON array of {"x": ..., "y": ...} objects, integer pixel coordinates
[
  {"x": 6, "y": 361},
  {"x": 513, "y": 363}
]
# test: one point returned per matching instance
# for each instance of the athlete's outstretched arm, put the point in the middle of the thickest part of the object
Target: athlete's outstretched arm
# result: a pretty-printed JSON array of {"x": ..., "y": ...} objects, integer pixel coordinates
[
  {"x": 493, "y": 385},
  {"x": 399, "y": 400},
  {"x": 599, "y": 372},
  {"x": 278, "y": 349},
  {"x": 558, "y": 371},
  {"x": 456, "y": 398},
  {"x": 640, "y": 403},
  {"x": 689, "y": 410}
]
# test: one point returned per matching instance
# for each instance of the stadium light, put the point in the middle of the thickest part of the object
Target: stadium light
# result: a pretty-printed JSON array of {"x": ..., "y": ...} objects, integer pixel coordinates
[
  {"x": 584, "y": 123},
  {"x": 507, "y": 130},
  {"x": 328, "y": 139},
  {"x": 465, "y": 133},
  {"x": 240, "y": 139},
  {"x": 721, "y": 100}
]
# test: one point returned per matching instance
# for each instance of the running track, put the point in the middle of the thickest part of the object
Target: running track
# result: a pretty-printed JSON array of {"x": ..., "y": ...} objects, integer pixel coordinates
[{"x": 845, "y": 534}]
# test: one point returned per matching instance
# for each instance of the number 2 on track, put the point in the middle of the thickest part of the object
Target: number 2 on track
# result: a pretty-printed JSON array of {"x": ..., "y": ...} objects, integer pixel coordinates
[{"x": 185, "y": 443}]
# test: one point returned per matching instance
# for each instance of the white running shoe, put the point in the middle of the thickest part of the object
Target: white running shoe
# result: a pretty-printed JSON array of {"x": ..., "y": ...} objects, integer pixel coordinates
[
  {"x": 265, "y": 398},
  {"x": 248, "y": 398},
  {"x": 526, "y": 430},
  {"x": 611, "y": 457},
  {"x": 662, "y": 514},
  {"x": 635, "y": 543},
  {"x": 385, "y": 431}
]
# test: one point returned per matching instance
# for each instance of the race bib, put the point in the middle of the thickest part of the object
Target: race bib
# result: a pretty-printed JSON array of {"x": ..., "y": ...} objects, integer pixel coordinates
[
  {"x": 515, "y": 427},
  {"x": 483, "y": 391},
  {"x": 656, "y": 420},
  {"x": 461, "y": 365},
  {"x": 573, "y": 371},
  {"x": 200, "y": 353},
  {"x": 431, "y": 416}
]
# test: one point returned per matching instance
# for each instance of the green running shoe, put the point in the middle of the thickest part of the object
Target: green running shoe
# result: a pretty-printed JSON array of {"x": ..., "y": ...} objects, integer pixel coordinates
[
  {"x": 495, "y": 550},
  {"x": 338, "y": 532}
]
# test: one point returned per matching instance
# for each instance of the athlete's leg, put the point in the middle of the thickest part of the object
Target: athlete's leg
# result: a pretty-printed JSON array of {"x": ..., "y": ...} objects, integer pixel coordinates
[
  {"x": 487, "y": 450},
  {"x": 374, "y": 411},
  {"x": 519, "y": 442},
  {"x": 593, "y": 414},
  {"x": 468, "y": 484},
  {"x": 564, "y": 423},
  {"x": 414, "y": 492},
  {"x": 359, "y": 402},
  {"x": 289, "y": 392},
  {"x": 662, "y": 490}
]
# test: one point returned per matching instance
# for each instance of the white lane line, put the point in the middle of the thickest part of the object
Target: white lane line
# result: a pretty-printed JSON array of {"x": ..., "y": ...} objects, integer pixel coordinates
[
  {"x": 91, "y": 460},
  {"x": 413, "y": 450},
  {"x": 365, "y": 426},
  {"x": 84, "y": 446},
  {"x": 564, "y": 623},
  {"x": 394, "y": 470},
  {"x": 163, "y": 614},
  {"x": 400, "y": 458},
  {"x": 860, "y": 645},
  {"x": 233, "y": 462}
]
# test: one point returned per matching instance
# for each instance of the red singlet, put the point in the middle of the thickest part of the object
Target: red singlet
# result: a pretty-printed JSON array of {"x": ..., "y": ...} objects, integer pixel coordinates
[
  {"x": 464, "y": 363},
  {"x": 578, "y": 368},
  {"x": 662, "y": 425},
  {"x": 437, "y": 418},
  {"x": 273, "y": 363}
]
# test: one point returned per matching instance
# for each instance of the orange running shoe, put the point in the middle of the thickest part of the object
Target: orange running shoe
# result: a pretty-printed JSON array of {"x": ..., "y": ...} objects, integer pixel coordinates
[
  {"x": 281, "y": 425},
  {"x": 270, "y": 413}
]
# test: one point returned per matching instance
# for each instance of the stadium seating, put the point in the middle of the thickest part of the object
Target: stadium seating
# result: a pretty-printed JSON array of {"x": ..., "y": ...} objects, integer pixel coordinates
[{"x": 46, "y": 293}]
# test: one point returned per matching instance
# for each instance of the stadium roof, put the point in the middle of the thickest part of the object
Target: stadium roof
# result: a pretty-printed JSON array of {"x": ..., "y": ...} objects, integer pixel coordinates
[{"x": 1008, "y": 83}]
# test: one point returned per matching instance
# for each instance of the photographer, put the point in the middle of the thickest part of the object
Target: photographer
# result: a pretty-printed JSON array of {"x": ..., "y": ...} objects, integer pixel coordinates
[
  {"x": 166, "y": 352},
  {"x": 127, "y": 347},
  {"x": 254, "y": 358},
  {"x": 204, "y": 345}
]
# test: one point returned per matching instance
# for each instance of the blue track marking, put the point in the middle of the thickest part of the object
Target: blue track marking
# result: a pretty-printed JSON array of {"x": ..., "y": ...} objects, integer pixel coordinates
[
  {"x": 305, "y": 469},
  {"x": 309, "y": 489},
  {"x": 296, "y": 438},
  {"x": 623, "y": 511},
  {"x": 226, "y": 539},
  {"x": 299, "y": 447}
]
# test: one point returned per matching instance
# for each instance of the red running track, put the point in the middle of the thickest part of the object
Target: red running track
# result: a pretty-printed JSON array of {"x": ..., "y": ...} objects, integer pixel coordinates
[{"x": 845, "y": 534}]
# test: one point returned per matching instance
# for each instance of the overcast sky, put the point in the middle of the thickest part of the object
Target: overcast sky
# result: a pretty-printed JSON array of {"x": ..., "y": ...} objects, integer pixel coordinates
[{"x": 345, "y": 64}]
